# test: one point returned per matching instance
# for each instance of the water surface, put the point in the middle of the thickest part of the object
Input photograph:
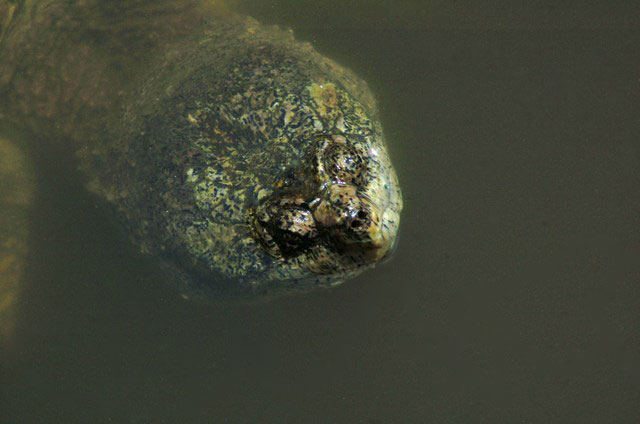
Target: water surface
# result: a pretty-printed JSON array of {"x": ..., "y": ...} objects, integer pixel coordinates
[{"x": 514, "y": 295}]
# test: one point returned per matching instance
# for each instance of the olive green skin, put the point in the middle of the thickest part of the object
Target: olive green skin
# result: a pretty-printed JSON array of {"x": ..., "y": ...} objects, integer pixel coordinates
[{"x": 244, "y": 159}]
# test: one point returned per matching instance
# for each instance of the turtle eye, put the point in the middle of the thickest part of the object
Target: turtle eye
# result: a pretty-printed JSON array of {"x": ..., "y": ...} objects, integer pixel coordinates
[
  {"x": 345, "y": 164},
  {"x": 293, "y": 229},
  {"x": 284, "y": 226},
  {"x": 296, "y": 220}
]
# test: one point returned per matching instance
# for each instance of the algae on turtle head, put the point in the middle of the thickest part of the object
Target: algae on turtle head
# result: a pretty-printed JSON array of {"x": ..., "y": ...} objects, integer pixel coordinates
[{"x": 240, "y": 155}]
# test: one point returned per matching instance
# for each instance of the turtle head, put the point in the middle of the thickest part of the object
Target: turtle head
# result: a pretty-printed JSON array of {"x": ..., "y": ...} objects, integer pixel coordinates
[{"x": 287, "y": 179}]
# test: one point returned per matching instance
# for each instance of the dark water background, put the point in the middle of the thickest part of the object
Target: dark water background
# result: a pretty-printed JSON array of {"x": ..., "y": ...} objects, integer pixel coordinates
[{"x": 514, "y": 295}]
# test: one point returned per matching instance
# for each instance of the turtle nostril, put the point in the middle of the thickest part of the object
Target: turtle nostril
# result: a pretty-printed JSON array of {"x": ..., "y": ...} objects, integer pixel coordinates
[{"x": 359, "y": 219}]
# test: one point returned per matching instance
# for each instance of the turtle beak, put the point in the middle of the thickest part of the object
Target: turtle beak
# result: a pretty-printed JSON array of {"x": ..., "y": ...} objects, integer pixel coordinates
[
  {"x": 379, "y": 240},
  {"x": 361, "y": 229}
]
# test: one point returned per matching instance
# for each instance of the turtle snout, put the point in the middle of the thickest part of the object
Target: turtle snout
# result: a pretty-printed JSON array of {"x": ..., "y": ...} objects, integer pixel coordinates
[{"x": 351, "y": 219}]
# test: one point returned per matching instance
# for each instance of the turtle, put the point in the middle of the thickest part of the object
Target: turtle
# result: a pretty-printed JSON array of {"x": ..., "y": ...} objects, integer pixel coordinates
[{"x": 243, "y": 159}]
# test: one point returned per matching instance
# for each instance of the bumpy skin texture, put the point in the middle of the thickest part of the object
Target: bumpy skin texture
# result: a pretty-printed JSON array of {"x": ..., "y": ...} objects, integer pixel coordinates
[{"x": 245, "y": 158}]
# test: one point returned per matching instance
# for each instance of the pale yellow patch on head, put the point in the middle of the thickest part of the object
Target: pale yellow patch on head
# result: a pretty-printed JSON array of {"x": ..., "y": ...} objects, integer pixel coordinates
[{"x": 325, "y": 97}]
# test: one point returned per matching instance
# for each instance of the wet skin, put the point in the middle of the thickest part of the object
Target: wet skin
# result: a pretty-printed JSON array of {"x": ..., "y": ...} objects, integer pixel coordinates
[{"x": 237, "y": 155}]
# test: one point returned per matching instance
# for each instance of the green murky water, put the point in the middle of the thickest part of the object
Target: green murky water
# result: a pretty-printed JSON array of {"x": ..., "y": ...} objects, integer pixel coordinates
[{"x": 514, "y": 295}]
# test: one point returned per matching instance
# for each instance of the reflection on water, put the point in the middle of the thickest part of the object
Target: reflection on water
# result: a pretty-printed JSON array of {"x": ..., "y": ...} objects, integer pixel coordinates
[{"x": 513, "y": 295}]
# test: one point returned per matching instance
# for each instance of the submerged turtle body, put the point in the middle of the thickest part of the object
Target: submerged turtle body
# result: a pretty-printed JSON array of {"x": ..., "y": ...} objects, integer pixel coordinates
[
  {"x": 16, "y": 198},
  {"x": 240, "y": 156}
]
